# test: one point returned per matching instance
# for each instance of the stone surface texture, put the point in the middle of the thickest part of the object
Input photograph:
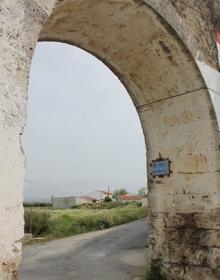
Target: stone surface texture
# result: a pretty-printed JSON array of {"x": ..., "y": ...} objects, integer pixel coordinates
[{"x": 152, "y": 46}]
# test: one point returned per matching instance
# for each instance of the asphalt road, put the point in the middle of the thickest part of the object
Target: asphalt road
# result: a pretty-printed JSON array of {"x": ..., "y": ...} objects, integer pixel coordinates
[{"x": 118, "y": 253}]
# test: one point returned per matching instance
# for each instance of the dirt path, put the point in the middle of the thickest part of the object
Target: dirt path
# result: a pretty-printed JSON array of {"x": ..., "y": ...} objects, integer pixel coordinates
[{"x": 118, "y": 253}]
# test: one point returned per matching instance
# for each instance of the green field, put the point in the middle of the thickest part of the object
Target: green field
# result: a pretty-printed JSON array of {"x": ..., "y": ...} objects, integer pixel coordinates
[{"x": 50, "y": 223}]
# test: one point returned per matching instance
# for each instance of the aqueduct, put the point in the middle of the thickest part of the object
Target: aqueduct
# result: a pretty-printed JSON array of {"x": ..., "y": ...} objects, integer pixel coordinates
[{"x": 165, "y": 53}]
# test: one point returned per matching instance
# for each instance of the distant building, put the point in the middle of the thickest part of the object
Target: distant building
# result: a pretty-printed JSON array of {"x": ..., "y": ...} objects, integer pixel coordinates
[
  {"x": 68, "y": 202},
  {"x": 129, "y": 197},
  {"x": 84, "y": 199},
  {"x": 63, "y": 202},
  {"x": 101, "y": 195}
]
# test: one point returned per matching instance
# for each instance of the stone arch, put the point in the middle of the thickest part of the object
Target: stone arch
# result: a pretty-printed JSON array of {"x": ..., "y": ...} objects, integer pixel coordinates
[{"x": 175, "y": 111}]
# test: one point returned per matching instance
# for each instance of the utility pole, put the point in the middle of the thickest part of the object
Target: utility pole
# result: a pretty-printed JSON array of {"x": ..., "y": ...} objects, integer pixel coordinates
[
  {"x": 100, "y": 198},
  {"x": 108, "y": 193},
  {"x": 30, "y": 225}
]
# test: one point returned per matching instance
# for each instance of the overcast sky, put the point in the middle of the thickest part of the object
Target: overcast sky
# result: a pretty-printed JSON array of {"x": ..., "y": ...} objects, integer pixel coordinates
[{"x": 83, "y": 132}]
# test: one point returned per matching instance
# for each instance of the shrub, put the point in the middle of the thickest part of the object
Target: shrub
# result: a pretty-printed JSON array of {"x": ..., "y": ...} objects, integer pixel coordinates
[
  {"x": 75, "y": 207},
  {"x": 37, "y": 204},
  {"x": 139, "y": 203},
  {"x": 113, "y": 204},
  {"x": 154, "y": 273},
  {"x": 105, "y": 205},
  {"x": 107, "y": 199},
  {"x": 36, "y": 222}
]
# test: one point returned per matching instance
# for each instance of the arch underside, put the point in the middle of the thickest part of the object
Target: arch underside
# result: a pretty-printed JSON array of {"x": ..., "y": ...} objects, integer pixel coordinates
[
  {"x": 133, "y": 40},
  {"x": 176, "y": 114}
]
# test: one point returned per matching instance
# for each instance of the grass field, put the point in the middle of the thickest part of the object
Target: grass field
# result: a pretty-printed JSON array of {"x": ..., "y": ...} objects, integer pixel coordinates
[{"x": 51, "y": 223}]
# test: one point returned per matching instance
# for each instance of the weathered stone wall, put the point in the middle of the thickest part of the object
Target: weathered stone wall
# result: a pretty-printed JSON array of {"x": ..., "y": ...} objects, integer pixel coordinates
[
  {"x": 64, "y": 202},
  {"x": 20, "y": 23},
  {"x": 203, "y": 18},
  {"x": 153, "y": 52},
  {"x": 184, "y": 207},
  {"x": 195, "y": 22}
]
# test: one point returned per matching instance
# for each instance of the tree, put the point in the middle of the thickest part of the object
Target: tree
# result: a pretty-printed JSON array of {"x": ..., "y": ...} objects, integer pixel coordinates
[
  {"x": 118, "y": 192},
  {"x": 141, "y": 191},
  {"x": 107, "y": 199}
]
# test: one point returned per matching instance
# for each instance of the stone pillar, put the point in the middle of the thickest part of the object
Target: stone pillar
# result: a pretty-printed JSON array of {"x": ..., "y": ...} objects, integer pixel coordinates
[
  {"x": 184, "y": 208},
  {"x": 20, "y": 23}
]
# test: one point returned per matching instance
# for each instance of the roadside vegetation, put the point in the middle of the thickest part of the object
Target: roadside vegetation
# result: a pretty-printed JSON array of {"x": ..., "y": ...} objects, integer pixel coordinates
[
  {"x": 153, "y": 273},
  {"x": 37, "y": 204},
  {"x": 107, "y": 205},
  {"x": 52, "y": 223}
]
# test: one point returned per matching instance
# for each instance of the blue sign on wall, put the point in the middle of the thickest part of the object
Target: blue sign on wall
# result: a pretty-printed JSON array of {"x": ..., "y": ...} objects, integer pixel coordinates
[{"x": 161, "y": 167}]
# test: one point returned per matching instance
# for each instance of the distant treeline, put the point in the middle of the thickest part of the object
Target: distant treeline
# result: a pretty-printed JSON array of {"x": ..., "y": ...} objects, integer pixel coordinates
[{"x": 37, "y": 204}]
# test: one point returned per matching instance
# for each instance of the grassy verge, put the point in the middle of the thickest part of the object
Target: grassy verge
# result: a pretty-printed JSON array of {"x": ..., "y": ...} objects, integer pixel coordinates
[
  {"x": 62, "y": 223},
  {"x": 153, "y": 273}
]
